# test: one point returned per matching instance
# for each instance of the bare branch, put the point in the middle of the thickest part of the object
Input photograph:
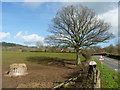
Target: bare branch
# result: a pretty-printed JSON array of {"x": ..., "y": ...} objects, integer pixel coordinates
[{"x": 77, "y": 27}]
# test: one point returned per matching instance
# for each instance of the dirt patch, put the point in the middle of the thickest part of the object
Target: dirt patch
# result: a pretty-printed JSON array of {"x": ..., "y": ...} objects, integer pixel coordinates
[
  {"x": 37, "y": 85},
  {"x": 39, "y": 76}
]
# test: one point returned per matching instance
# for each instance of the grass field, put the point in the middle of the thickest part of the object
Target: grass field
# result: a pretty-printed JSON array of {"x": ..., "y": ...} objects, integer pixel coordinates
[
  {"x": 109, "y": 78},
  {"x": 37, "y": 57},
  {"x": 45, "y": 69}
]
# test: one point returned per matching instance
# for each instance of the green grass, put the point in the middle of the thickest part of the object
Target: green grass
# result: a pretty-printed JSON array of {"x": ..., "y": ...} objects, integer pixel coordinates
[
  {"x": 109, "y": 78},
  {"x": 37, "y": 57}
]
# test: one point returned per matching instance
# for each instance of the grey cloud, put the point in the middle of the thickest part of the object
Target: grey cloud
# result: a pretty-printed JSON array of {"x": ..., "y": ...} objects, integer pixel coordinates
[{"x": 99, "y": 7}]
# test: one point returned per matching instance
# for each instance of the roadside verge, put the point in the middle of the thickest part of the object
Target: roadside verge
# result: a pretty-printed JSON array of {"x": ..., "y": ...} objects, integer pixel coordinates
[{"x": 109, "y": 78}]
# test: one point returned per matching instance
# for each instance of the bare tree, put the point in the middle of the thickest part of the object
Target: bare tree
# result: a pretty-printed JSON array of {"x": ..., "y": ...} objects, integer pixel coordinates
[
  {"x": 39, "y": 44},
  {"x": 78, "y": 27}
]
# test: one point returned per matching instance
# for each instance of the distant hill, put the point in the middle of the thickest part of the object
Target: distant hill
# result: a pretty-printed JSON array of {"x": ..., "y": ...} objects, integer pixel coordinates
[
  {"x": 16, "y": 47},
  {"x": 5, "y": 44}
]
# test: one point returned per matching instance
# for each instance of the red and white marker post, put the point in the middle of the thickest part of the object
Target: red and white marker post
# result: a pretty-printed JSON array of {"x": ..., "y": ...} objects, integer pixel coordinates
[{"x": 101, "y": 59}]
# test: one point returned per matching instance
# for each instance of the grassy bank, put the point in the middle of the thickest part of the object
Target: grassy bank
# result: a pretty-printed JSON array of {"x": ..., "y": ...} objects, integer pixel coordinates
[{"x": 109, "y": 78}]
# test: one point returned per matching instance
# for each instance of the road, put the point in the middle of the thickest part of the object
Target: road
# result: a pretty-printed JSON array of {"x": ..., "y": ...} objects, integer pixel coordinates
[{"x": 112, "y": 63}]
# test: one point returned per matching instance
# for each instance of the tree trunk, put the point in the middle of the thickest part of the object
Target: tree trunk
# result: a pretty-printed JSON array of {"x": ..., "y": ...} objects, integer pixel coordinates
[{"x": 78, "y": 61}]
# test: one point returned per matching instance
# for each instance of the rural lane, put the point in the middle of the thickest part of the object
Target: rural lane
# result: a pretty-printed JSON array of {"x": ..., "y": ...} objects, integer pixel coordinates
[{"x": 112, "y": 63}]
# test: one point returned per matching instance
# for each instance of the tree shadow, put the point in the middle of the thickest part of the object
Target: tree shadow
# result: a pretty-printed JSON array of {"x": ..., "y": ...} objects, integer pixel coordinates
[{"x": 50, "y": 61}]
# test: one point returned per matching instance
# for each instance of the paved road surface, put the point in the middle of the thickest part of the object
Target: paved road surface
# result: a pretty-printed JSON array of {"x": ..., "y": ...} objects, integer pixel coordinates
[{"x": 112, "y": 63}]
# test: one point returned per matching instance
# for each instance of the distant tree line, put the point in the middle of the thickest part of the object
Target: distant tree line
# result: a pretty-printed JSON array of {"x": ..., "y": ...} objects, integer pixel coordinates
[
  {"x": 111, "y": 49},
  {"x": 4, "y": 44}
]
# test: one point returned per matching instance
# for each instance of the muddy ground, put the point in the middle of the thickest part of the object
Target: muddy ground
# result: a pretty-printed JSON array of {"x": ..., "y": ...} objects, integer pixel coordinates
[{"x": 39, "y": 76}]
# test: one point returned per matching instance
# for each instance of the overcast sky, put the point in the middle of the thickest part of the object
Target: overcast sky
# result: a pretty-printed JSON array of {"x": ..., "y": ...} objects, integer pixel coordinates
[{"x": 27, "y": 22}]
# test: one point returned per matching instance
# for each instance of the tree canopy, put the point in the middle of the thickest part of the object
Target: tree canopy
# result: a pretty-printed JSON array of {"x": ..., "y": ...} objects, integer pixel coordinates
[{"x": 78, "y": 27}]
